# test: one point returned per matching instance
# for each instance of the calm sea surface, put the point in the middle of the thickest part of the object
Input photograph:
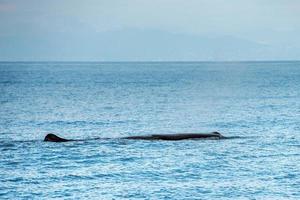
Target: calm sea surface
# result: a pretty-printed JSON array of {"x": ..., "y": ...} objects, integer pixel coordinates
[{"x": 258, "y": 101}]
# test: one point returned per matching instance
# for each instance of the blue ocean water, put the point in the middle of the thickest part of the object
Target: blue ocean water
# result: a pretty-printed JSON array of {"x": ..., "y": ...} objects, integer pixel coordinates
[{"x": 258, "y": 101}]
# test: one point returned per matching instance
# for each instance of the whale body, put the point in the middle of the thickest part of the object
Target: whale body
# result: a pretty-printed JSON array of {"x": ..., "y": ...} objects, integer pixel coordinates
[
  {"x": 54, "y": 138},
  {"x": 180, "y": 136}
]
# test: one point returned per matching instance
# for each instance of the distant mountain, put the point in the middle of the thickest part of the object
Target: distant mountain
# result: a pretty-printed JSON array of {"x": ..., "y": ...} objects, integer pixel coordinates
[{"x": 136, "y": 45}]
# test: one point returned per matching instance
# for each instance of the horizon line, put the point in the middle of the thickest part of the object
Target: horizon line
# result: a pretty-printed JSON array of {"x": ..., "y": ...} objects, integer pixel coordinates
[{"x": 142, "y": 61}]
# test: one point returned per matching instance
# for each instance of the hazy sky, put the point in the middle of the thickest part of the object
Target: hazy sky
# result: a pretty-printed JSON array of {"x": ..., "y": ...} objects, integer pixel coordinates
[{"x": 149, "y": 30}]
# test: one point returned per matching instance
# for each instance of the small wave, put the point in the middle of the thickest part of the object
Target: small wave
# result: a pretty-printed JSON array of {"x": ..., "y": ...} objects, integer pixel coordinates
[
  {"x": 76, "y": 123},
  {"x": 6, "y": 146},
  {"x": 10, "y": 82},
  {"x": 85, "y": 123}
]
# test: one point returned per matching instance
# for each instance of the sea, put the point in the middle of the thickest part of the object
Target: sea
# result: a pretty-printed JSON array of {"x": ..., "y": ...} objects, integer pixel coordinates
[{"x": 257, "y": 104}]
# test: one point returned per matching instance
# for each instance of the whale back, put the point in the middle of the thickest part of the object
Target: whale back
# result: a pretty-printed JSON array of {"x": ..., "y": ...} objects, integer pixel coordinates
[
  {"x": 218, "y": 135},
  {"x": 183, "y": 136},
  {"x": 54, "y": 138}
]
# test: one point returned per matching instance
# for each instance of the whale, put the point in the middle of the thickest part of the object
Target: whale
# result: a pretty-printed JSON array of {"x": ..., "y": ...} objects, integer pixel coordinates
[
  {"x": 179, "y": 136},
  {"x": 54, "y": 138}
]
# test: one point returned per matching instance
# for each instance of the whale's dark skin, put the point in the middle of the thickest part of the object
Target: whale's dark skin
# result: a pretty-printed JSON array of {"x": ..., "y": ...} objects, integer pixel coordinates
[
  {"x": 181, "y": 136},
  {"x": 54, "y": 138}
]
